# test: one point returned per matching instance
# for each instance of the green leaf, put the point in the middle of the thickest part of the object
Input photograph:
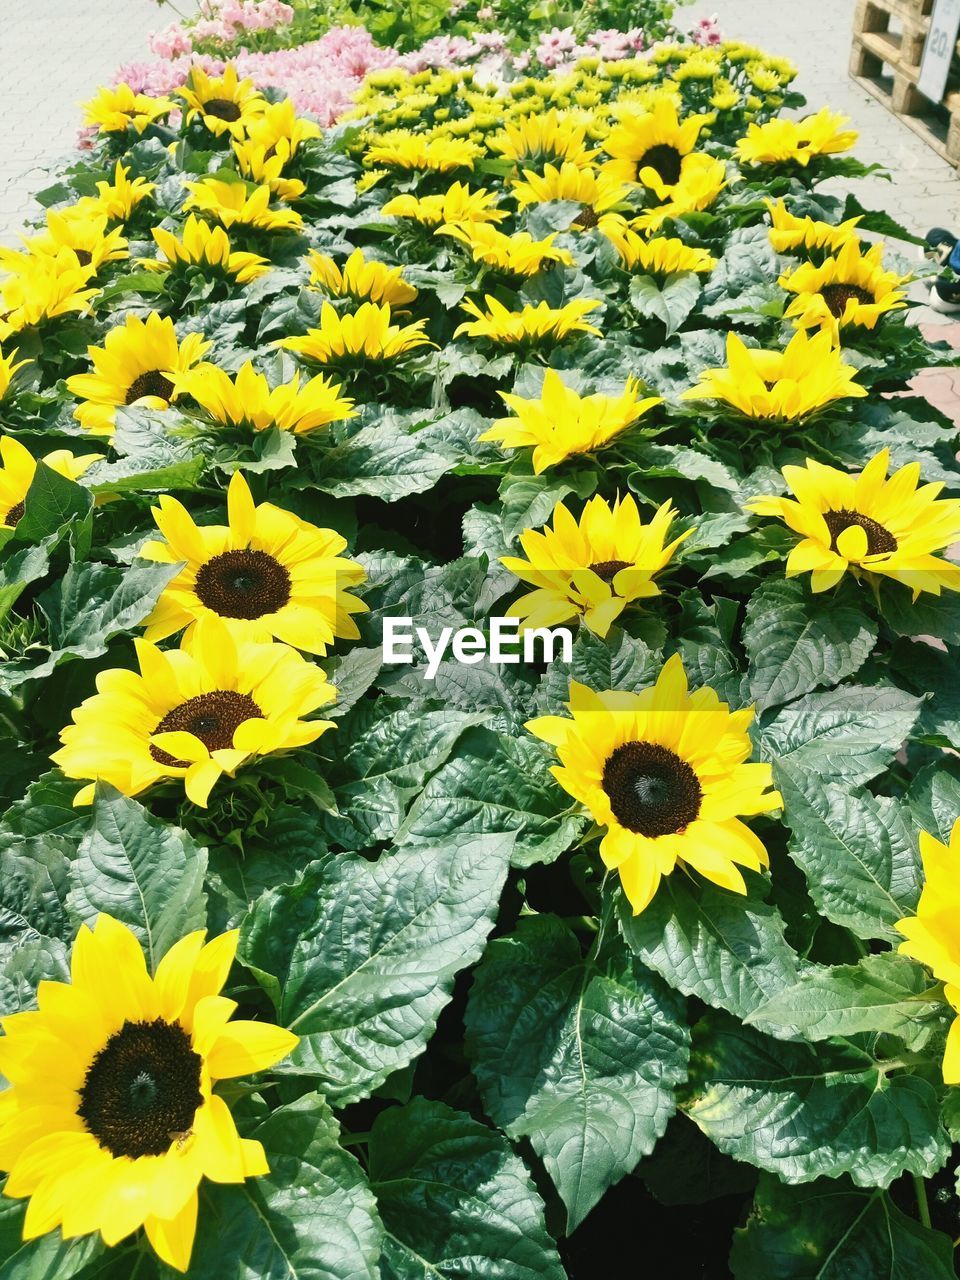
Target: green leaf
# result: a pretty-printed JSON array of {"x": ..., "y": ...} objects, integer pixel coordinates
[
  {"x": 48, "y": 1258},
  {"x": 797, "y": 641},
  {"x": 21, "y": 567},
  {"x": 455, "y": 1201},
  {"x": 581, "y": 1062},
  {"x": 312, "y": 1217},
  {"x": 729, "y": 951},
  {"x": 145, "y": 873},
  {"x": 885, "y": 992},
  {"x": 51, "y": 502},
  {"x": 859, "y": 853},
  {"x": 935, "y": 798},
  {"x": 385, "y": 461},
  {"x": 804, "y": 1112},
  {"x": 671, "y": 303},
  {"x": 618, "y": 662},
  {"x": 528, "y": 501},
  {"x": 359, "y": 957},
  {"x": 833, "y": 1231}
]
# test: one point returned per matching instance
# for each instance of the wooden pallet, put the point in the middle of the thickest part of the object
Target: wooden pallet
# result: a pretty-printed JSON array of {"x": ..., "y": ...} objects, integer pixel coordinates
[{"x": 888, "y": 41}]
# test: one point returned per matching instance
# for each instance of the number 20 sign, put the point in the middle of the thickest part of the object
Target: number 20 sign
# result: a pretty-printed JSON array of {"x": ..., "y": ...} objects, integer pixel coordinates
[{"x": 938, "y": 49}]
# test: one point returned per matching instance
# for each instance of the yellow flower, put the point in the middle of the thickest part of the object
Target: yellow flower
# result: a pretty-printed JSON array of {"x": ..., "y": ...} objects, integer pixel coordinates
[
  {"x": 267, "y": 573},
  {"x": 660, "y": 257},
  {"x": 86, "y": 235},
  {"x": 597, "y": 194},
  {"x": 278, "y": 122},
  {"x": 516, "y": 255},
  {"x": 117, "y": 200},
  {"x": 594, "y": 568},
  {"x": 44, "y": 287},
  {"x": 359, "y": 279},
  {"x": 541, "y": 138},
  {"x": 562, "y": 422},
  {"x": 457, "y": 204},
  {"x": 849, "y": 289},
  {"x": 787, "y": 385},
  {"x": 702, "y": 179},
  {"x": 667, "y": 773},
  {"x": 137, "y": 364},
  {"x": 249, "y": 403},
  {"x": 18, "y": 467},
  {"x": 650, "y": 148},
  {"x": 932, "y": 936},
  {"x": 868, "y": 524},
  {"x": 405, "y": 150},
  {"x": 788, "y": 232},
  {"x": 725, "y": 97},
  {"x": 203, "y": 246},
  {"x": 193, "y": 713},
  {"x": 531, "y": 326},
  {"x": 8, "y": 368},
  {"x": 358, "y": 338},
  {"x": 223, "y": 104},
  {"x": 118, "y": 109},
  {"x": 262, "y": 164},
  {"x": 111, "y": 1121},
  {"x": 781, "y": 141},
  {"x": 238, "y": 203}
]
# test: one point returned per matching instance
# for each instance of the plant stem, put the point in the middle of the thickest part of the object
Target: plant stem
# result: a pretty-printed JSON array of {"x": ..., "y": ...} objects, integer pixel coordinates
[{"x": 920, "y": 1187}]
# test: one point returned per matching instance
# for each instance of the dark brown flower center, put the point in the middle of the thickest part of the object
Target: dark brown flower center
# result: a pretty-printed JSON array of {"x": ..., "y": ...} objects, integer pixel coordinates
[
  {"x": 880, "y": 541},
  {"x": 83, "y": 256},
  {"x": 222, "y": 109},
  {"x": 142, "y": 1089},
  {"x": 211, "y": 717},
  {"x": 666, "y": 160},
  {"x": 836, "y": 296},
  {"x": 14, "y": 514},
  {"x": 243, "y": 584},
  {"x": 151, "y": 383},
  {"x": 652, "y": 791},
  {"x": 587, "y": 217},
  {"x": 608, "y": 569}
]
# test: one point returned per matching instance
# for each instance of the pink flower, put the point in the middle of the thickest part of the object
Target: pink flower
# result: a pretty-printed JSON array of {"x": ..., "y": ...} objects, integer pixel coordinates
[
  {"x": 707, "y": 31},
  {"x": 171, "y": 41},
  {"x": 485, "y": 14}
]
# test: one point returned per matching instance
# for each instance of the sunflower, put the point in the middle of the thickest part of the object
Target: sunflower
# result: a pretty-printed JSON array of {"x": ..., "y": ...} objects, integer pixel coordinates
[
  {"x": 562, "y": 422},
  {"x": 278, "y": 122},
  {"x": 44, "y": 287},
  {"x": 516, "y": 255},
  {"x": 118, "y": 109},
  {"x": 851, "y": 289},
  {"x": 205, "y": 247},
  {"x": 701, "y": 181},
  {"x": 248, "y": 402},
  {"x": 359, "y": 279},
  {"x": 661, "y": 257},
  {"x": 651, "y": 147},
  {"x": 788, "y": 233},
  {"x": 457, "y": 204},
  {"x": 261, "y": 164},
  {"x": 18, "y": 467},
  {"x": 110, "y": 1121},
  {"x": 117, "y": 199},
  {"x": 783, "y": 141},
  {"x": 591, "y": 568},
  {"x": 8, "y": 367},
  {"x": 83, "y": 233},
  {"x": 932, "y": 936},
  {"x": 358, "y": 338},
  {"x": 223, "y": 104},
  {"x": 542, "y": 138},
  {"x": 405, "y": 150},
  {"x": 787, "y": 385},
  {"x": 193, "y": 713},
  {"x": 598, "y": 194},
  {"x": 271, "y": 575},
  {"x": 531, "y": 326},
  {"x": 868, "y": 524},
  {"x": 239, "y": 203},
  {"x": 666, "y": 772},
  {"x": 137, "y": 364}
]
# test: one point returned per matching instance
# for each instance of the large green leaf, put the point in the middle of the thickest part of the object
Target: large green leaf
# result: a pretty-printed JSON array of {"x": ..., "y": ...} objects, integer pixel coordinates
[
  {"x": 580, "y": 1061},
  {"x": 48, "y": 1258},
  {"x": 455, "y": 1201},
  {"x": 359, "y": 957},
  {"x": 935, "y": 798},
  {"x": 803, "y": 1111},
  {"x": 831, "y": 1230},
  {"x": 387, "y": 460},
  {"x": 670, "y": 302},
  {"x": 146, "y": 873},
  {"x": 51, "y": 502}
]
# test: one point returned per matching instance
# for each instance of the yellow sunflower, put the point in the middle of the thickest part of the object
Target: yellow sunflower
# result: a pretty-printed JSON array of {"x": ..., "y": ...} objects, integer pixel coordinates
[
  {"x": 787, "y": 385},
  {"x": 788, "y": 233},
  {"x": 851, "y": 289},
  {"x": 84, "y": 235},
  {"x": 592, "y": 568},
  {"x": 117, "y": 199},
  {"x": 531, "y": 326},
  {"x": 240, "y": 204},
  {"x": 405, "y": 150},
  {"x": 111, "y": 1122},
  {"x": 261, "y": 164},
  {"x": 782, "y": 141},
  {"x": 44, "y": 287},
  {"x": 666, "y": 772},
  {"x": 137, "y": 364},
  {"x": 598, "y": 194},
  {"x": 660, "y": 257},
  {"x": 360, "y": 279},
  {"x": 562, "y": 422},
  {"x": 932, "y": 935},
  {"x": 203, "y": 246},
  {"x": 118, "y": 109},
  {"x": 457, "y": 204},
  {"x": 9, "y": 364},
  {"x": 269, "y": 574},
  {"x": 868, "y": 524},
  {"x": 248, "y": 401},
  {"x": 223, "y": 104},
  {"x": 358, "y": 338},
  {"x": 701, "y": 181},
  {"x": 279, "y": 122},
  {"x": 651, "y": 147},
  {"x": 18, "y": 467},
  {"x": 193, "y": 713},
  {"x": 516, "y": 255},
  {"x": 544, "y": 137}
]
